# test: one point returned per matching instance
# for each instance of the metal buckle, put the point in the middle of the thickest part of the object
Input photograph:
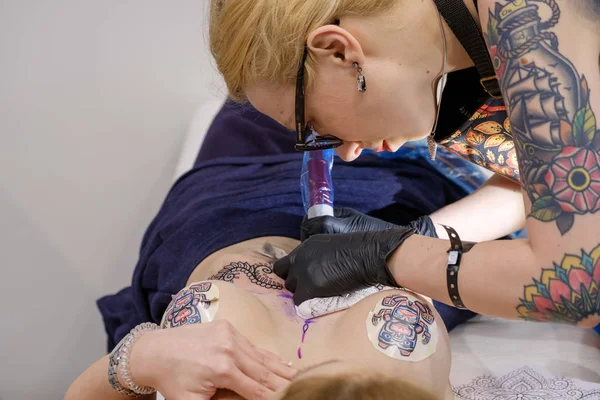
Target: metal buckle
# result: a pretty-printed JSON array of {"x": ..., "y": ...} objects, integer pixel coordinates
[
  {"x": 483, "y": 82},
  {"x": 452, "y": 257}
]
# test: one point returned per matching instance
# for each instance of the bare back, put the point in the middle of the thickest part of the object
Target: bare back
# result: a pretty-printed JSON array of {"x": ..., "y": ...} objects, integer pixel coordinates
[{"x": 394, "y": 332}]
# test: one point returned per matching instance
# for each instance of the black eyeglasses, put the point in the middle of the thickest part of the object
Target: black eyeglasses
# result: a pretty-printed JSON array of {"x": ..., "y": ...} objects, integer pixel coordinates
[{"x": 305, "y": 139}]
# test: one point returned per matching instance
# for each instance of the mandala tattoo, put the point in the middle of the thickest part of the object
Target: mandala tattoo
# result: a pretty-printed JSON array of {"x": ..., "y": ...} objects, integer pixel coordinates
[
  {"x": 556, "y": 136},
  {"x": 185, "y": 307},
  {"x": 259, "y": 274},
  {"x": 569, "y": 292},
  {"x": 404, "y": 321}
]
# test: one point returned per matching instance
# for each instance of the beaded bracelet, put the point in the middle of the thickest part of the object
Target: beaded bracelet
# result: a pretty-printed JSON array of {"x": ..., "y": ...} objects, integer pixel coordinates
[{"x": 124, "y": 368}]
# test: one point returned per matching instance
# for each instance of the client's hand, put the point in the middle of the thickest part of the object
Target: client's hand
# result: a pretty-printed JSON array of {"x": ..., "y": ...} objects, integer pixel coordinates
[
  {"x": 347, "y": 220},
  {"x": 332, "y": 265},
  {"x": 193, "y": 361}
]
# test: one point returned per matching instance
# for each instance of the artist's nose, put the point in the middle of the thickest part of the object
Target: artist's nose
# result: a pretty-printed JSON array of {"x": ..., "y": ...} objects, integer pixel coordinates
[{"x": 349, "y": 151}]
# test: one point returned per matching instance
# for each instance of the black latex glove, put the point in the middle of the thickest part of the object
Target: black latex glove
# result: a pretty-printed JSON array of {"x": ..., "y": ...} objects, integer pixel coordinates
[
  {"x": 332, "y": 265},
  {"x": 347, "y": 220}
]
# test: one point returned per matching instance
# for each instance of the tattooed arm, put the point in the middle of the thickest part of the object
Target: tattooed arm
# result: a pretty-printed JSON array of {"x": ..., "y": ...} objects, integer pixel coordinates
[
  {"x": 542, "y": 65},
  {"x": 546, "y": 57}
]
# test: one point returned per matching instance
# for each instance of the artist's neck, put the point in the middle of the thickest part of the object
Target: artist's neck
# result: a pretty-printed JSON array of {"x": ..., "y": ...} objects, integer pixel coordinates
[{"x": 457, "y": 56}]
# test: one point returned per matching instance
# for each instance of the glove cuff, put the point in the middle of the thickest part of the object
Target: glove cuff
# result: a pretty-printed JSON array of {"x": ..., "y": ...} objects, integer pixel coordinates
[
  {"x": 397, "y": 237},
  {"x": 424, "y": 226}
]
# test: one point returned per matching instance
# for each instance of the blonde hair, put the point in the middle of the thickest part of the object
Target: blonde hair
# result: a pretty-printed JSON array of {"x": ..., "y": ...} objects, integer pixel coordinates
[
  {"x": 263, "y": 40},
  {"x": 354, "y": 387}
]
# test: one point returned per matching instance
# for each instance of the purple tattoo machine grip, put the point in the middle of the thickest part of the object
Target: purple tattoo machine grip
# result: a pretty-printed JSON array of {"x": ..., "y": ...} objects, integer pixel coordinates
[
  {"x": 316, "y": 183},
  {"x": 317, "y": 197}
]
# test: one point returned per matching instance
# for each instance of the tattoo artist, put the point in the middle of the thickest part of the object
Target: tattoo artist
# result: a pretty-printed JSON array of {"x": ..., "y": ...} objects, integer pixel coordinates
[{"x": 374, "y": 74}]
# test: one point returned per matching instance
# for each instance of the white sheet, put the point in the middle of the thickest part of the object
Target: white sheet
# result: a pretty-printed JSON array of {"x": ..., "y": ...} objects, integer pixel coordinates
[
  {"x": 499, "y": 359},
  {"x": 493, "y": 359}
]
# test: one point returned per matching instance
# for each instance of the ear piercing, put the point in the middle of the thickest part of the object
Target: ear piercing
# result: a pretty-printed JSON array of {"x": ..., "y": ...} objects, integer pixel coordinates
[{"x": 362, "y": 82}]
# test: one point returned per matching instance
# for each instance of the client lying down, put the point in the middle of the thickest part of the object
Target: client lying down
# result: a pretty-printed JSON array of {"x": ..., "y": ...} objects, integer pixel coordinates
[
  {"x": 394, "y": 340},
  {"x": 206, "y": 270}
]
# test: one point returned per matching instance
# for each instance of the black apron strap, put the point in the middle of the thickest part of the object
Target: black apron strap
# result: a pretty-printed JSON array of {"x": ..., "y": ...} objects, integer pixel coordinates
[{"x": 460, "y": 21}]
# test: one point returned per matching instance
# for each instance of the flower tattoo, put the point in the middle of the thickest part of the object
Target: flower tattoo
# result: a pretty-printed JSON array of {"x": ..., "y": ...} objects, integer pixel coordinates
[
  {"x": 569, "y": 292},
  {"x": 574, "y": 180}
]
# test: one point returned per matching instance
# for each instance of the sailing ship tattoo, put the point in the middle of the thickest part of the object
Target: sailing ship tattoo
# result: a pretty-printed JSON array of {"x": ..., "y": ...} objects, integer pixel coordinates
[{"x": 555, "y": 129}]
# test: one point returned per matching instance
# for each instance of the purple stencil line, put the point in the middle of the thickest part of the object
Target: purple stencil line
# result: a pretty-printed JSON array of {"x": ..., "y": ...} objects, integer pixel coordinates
[{"x": 304, "y": 330}]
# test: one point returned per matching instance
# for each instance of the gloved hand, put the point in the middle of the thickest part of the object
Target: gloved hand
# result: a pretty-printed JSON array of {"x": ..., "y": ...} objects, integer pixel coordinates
[
  {"x": 347, "y": 220},
  {"x": 332, "y": 265}
]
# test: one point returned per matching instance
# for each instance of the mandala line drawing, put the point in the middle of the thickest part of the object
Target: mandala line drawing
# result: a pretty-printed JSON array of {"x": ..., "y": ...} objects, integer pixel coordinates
[{"x": 523, "y": 384}]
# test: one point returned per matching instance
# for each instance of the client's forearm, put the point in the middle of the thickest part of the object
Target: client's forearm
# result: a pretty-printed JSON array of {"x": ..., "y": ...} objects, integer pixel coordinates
[
  {"x": 493, "y": 211},
  {"x": 93, "y": 385}
]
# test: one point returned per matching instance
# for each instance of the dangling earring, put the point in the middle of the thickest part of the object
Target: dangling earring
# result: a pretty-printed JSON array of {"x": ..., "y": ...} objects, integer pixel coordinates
[
  {"x": 432, "y": 146},
  {"x": 362, "y": 82},
  {"x": 431, "y": 143}
]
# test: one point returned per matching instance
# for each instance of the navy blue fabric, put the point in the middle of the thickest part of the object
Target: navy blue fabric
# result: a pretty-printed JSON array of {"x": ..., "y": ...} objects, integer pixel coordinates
[
  {"x": 229, "y": 197},
  {"x": 241, "y": 131}
]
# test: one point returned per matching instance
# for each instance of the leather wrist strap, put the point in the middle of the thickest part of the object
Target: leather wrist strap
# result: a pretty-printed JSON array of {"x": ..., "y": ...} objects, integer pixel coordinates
[{"x": 455, "y": 254}]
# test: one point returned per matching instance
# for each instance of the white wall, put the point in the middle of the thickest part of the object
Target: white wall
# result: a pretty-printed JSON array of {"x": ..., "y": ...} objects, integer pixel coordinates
[{"x": 95, "y": 97}]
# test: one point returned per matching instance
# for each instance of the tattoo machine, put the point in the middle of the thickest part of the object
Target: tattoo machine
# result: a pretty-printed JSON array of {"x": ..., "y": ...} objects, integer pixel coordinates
[
  {"x": 316, "y": 183},
  {"x": 317, "y": 197}
]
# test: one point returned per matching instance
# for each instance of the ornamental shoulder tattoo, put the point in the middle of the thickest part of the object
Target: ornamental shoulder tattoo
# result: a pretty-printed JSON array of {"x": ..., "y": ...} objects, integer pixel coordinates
[
  {"x": 260, "y": 274},
  {"x": 198, "y": 303},
  {"x": 195, "y": 304},
  {"x": 555, "y": 130},
  {"x": 403, "y": 327}
]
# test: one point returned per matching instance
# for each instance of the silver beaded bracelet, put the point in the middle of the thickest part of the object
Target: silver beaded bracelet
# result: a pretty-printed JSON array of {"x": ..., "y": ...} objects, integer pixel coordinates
[{"x": 124, "y": 368}]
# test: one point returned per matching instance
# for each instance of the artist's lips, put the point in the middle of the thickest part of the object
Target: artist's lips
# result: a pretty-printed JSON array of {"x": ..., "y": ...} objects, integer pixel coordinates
[
  {"x": 384, "y": 146},
  {"x": 387, "y": 147}
]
